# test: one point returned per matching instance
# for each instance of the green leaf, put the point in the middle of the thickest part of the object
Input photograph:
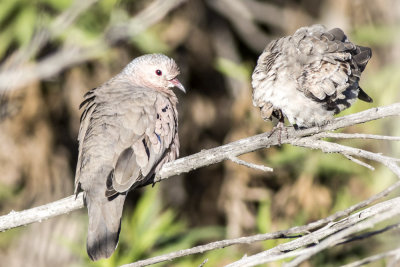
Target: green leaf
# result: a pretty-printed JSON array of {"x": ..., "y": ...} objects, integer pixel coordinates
[
  {"x": 6, "y": 38},
  {"x": 24, "y": 25},
  {"x": 264, "y": 217},
  {"x": 241, "y": 72},
  {"x": 376, "y": 34},
  {"x": 6, "y": 7},
  {"x": 59, "y": 5},
  {"x": 150, "y": 42},
  {"x": 108, "y": 5}
]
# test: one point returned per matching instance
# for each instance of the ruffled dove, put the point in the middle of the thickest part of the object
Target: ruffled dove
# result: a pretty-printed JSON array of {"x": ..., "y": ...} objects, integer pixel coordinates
[
  {"x": 128, "y": 130},
  {"x": 309, "y": 76}
]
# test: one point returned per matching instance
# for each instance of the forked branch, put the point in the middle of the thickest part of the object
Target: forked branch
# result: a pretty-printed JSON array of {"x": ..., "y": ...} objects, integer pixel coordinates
[{"x": 309, "y": 138}]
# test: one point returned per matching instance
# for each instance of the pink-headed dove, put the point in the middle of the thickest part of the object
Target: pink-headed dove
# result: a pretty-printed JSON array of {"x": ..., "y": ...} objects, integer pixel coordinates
[{"x": 128, "y": 130}]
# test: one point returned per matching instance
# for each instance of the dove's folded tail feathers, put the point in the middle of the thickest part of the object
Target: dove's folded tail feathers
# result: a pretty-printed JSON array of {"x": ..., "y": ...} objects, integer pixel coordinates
[{"x": 104, "y": 225}]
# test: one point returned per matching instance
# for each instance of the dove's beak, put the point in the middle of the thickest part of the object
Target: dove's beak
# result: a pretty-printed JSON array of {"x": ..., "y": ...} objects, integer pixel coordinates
[{"x": 176, "y": 83}]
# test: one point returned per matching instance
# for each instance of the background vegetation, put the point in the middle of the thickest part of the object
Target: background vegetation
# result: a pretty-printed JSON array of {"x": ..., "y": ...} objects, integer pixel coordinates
[{"x": 216, "y": 43}]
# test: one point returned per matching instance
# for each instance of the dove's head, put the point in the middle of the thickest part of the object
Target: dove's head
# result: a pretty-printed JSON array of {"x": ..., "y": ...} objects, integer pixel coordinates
[{"x": 154, "y": 71}]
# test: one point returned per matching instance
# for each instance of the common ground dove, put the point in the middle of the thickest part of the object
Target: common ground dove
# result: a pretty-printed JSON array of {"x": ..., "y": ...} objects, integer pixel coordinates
[
  {"x": 128, "y": 130},
  {"x": 309, "y": 76}
]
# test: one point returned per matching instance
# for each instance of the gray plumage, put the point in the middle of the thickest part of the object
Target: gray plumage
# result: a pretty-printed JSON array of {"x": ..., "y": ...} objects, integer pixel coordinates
[
  {"x": 128, "y": 130},
  {"x": 309, "y": 76}
]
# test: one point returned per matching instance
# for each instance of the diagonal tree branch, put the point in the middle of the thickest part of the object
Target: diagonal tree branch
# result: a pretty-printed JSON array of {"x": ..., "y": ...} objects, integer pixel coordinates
[
  {"x": 38, "y": 214},
  {"x": 388, "y": 213},
  {"x": 394, "y": 252},
  {"x": 294, "y": 232},
  {"x": 221, "y": 153},
  {"x": 253, "y": 143},
  {"x": 328, "y": 236},
  {"x": 251, "y": 165},
  {"x": 305, "y": 138}
]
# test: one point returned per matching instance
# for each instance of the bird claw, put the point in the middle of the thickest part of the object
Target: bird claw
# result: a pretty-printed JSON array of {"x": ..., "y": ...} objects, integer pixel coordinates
[{"x": 279, "y": 127}]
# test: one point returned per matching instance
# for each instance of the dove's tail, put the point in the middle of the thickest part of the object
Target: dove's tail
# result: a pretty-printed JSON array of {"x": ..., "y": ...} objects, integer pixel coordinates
[{"x": 104, "y": 224}]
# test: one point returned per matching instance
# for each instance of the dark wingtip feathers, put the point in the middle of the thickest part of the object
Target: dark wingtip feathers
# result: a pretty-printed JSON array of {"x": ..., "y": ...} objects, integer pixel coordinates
[
  {"x": 362, "y": 57},
  {"x": 363, "y": 96},
  {"x": 88, "y": 96},
  {"x": 338, "y": 34}
]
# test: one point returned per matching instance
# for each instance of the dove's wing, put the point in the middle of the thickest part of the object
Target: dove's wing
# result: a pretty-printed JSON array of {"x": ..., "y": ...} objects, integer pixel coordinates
[
  {"x": 309, "y": 76},
  {"x": 331, "y": 66},
  {"x": 155, "y": 141},
  {"x": 141, "y": 134}
]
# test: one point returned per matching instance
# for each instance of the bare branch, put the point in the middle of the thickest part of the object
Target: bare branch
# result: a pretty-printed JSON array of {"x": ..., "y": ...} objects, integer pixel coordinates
[
  {"x": 372, "y": 233},
  {"x": 357, "y": 136},
  {"x": 321, "y": 234},
  {"x": 388, "y": 212},
  {"x": 328, "y": 147},
  {"x": 250, "y": 144},
  {"x": 366, "y": 165},
  {"x": 32, "y": 215},
  {"x": 38, "y": 214},
  {"x": 246, "y": 145},
  {"x": 203, "y": 263},
  {"x": 394, "y": 252},
  {"x": 327, "y": 236},
  {"x": 302, "y": 138},
  {"x": 211, "y": 246},
  {"x": 251, "y": 165},
  {"x": 293, "y": 232}
]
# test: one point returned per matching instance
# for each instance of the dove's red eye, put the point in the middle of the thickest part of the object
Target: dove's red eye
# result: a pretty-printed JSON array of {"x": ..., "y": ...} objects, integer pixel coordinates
[{"x": 159, "y": 72}]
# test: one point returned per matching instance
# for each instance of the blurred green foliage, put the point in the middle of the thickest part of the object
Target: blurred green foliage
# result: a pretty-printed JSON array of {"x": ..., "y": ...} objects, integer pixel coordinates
[
  {"x": 373, "y": 34},
  {"x": 19, "y": 19},
  {"x": 241, "y": 72}
]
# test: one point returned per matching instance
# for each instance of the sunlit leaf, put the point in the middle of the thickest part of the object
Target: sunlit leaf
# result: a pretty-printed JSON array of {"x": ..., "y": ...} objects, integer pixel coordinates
[
  {"x": 376, "y": 34},
  {"x": 237, "y": 71},
  {"x": 24, "y": 25}
]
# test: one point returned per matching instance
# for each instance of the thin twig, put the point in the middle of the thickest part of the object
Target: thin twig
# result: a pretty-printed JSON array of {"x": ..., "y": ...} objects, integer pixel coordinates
[
  {"x": 327, "y": 236},
  {"x": 335, "y": 239},
  {"x": 328, "y": 147},
  {"x": 369, "y": 234},
  {"x": 250, "y": 144},
  {"x": 359, "y": 162},
  {"x": 251, "y": 165},
  {"x": 203, "y": 263},
  {"x": 210, "y": 246},
  {"x": 394, "y": 252},
  {"x": 357, "y": 136}
]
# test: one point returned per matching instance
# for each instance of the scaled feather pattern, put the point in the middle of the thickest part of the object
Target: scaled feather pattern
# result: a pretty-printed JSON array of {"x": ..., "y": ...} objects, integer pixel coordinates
[{"x": 309, "y": 76}]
